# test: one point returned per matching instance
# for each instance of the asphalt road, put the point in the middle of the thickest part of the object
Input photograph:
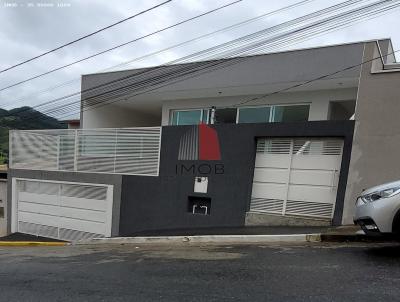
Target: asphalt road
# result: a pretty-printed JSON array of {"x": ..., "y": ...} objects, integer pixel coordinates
[{"x": 313, "y": 272}]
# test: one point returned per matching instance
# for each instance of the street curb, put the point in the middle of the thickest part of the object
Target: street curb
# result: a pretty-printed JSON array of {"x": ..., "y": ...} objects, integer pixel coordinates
[
  {"x": 32, "y": 243},
  {"x": 220, "y": 239}
]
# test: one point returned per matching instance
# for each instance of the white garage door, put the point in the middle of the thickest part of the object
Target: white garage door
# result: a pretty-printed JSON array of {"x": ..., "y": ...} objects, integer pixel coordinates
[
  {"x": 296, "y": 176},
  {"x": 67, "y": 211}
]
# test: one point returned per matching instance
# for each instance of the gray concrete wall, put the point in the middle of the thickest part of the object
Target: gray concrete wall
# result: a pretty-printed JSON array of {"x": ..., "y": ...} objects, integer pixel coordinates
[
  {"x": 161, "y": 203},
  {"x": 96, "y": 178},
  {"x": 376, "y": 145},
  {"x": 145, "y": 203}
]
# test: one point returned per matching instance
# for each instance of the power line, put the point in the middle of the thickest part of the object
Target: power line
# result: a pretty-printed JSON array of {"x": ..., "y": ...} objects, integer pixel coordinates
[
  {"x": 63, "y": 107},
  {"x": 154, "y": 76},
  {"x": 236, "y": 25},
  {"x": 119, "y": 80},
  {"x": 85, "y": 36},
  {"x": 289, "y": 88},
  {"x": 138, "y": 93},
  {"x": 123, "y": 87},
  {"x": 118, "y": 46},
  {"x": 161, "y": 68},
  {"x": 312, "y": 80}
]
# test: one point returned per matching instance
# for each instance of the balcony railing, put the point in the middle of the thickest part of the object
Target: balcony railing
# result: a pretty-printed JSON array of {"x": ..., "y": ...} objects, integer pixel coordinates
[{"x": 134, "y": 151}]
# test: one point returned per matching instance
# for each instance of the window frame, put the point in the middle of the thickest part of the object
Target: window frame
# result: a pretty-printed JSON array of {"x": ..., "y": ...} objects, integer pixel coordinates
[
  {"x": 270, "y": 119},
  {"x": 257, "y": 106},
  {"x": 173, "y": 111},
  {"x": 272, "y": 109},
  {"x": 286, "y": 105}
]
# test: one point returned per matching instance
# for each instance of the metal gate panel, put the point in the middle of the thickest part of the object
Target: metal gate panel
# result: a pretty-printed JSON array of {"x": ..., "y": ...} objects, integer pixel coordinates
[
  {"x": 269, "y": 191},
  {"x": 83, "y": 203},
  {"x": 322, "y": 194},
  {"x": 273, "y": 206},
  {"x": 271, "y": 175},
  {"x": 296, "y": 176},
  {"x": 315, "y": 177},
  {"x": 270, "y": 160},
  {"x": 61, "y": 210},
  {"x": 38, "y": 198}
]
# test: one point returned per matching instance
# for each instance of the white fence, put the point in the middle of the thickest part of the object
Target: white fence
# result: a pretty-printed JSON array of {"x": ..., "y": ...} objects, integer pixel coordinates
[{"x": 134, "y": 151}]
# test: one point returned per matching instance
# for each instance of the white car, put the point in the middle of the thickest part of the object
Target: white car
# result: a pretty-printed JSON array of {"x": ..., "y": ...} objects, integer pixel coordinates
[{"x": 378, "y": 209}]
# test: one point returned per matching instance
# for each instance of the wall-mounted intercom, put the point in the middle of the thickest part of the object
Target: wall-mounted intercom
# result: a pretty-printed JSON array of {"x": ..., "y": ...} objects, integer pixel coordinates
[{"x": 200, "y": 184}]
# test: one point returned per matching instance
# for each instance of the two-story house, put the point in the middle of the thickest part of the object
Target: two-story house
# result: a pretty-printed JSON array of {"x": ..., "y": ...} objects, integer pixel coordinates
[{"x": 287, "y": 138}]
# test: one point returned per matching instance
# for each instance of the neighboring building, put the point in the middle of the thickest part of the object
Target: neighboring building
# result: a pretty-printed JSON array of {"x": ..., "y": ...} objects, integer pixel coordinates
[
  {"x": 73, "y": 124},
  {"x": 140, "y": 163}
]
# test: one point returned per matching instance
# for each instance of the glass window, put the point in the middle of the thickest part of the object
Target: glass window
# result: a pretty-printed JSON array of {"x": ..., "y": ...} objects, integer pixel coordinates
[
  {"x": 225, "y": 116},
  {"x": 187, "y": 117},
  {"x": 254, "y": 115},
  {"x": 295, "y": 113}
]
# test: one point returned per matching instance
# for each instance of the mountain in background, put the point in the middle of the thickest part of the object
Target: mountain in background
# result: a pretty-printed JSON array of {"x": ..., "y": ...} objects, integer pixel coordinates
[{"x": 24, "y": 118}]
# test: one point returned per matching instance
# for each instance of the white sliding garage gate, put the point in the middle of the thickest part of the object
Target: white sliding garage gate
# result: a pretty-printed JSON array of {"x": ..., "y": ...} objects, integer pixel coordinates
[
  {"x": 62, "y": 210},
  {"x": 296, "y": 176}
]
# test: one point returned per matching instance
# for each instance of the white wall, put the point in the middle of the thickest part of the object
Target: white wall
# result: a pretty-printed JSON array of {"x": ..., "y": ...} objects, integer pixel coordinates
[
  {"x": 318, "y": 100},
  {"x": 113, "y": 116}
]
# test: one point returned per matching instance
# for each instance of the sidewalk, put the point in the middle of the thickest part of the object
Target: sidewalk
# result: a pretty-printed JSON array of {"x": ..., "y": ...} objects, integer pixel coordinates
[
  {"x": 248, "y": 235},
  {"x": 256, "y": 235}
]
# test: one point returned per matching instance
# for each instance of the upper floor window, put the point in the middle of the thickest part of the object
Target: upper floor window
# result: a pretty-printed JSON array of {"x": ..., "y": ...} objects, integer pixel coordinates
[
  {"x": 254, "y": 115},
  {"x": 283, "y": 113},
  {"x": 225, "y": 116},
  {"x": 259, "y": 114},
  {"x": 189, "y": 117},
  {"x": 292, "y": 113}
]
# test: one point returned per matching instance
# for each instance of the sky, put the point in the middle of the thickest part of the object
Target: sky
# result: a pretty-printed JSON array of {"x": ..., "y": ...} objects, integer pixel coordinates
[{"x": 29, "y": 28}]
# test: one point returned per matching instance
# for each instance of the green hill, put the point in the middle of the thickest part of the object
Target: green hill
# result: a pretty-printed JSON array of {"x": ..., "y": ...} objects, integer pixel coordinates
[{"x": 24, "y": 118}]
